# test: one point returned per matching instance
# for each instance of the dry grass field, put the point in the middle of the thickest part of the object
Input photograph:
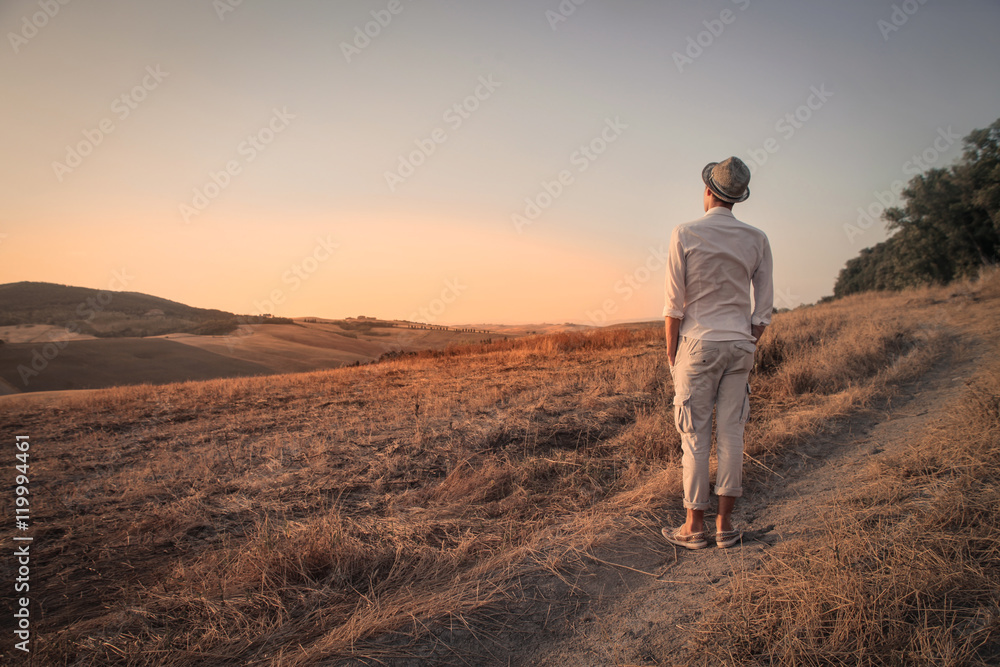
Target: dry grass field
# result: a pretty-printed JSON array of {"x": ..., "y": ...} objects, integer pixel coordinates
[
  {"x": 39, "y": 333},
  {"x": 906, "y": 571},
  {"x": 906, "y": 568},
  {"x": 402, "y": 512}
]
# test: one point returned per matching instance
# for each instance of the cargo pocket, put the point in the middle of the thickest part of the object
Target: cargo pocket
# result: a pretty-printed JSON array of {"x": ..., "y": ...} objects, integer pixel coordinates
[
  {"x": 701, "y": 358},
  {"x": 682, "y": 414},
  {"x": 745, "y": 410},
  {"x": 749, "y": 351}
]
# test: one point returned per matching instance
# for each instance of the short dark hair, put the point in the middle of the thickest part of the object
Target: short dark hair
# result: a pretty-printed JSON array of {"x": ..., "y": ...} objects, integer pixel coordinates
[{"x": 721, "y": 202}]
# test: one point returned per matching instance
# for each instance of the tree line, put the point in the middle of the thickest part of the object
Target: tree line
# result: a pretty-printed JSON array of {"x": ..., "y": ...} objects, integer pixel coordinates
[{"x": 947, "y": 227}]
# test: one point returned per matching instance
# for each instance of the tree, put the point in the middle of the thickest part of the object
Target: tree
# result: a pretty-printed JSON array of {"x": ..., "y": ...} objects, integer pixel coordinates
[{"x": 947, "y": 228}]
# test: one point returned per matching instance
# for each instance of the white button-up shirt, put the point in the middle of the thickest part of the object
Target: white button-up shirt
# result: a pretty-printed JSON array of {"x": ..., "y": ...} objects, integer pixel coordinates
[{"x": 711, "y": 266}]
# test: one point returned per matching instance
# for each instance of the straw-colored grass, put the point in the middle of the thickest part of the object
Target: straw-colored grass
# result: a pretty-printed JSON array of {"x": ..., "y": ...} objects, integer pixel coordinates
[
  {"x": 344, "y": 514},
  {"x": 905, "y": 572}
]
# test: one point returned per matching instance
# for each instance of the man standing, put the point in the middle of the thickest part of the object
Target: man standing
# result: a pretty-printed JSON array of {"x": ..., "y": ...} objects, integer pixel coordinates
[{"x": 712, "y": 328}]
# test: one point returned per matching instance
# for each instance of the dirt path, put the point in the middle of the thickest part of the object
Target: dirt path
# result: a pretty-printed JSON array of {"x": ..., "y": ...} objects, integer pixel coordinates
[{"x": 614, "y": 611}]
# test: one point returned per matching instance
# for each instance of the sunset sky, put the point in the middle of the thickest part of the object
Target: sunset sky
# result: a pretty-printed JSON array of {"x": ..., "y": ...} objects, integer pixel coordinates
[{"x": 501, "y": 162}]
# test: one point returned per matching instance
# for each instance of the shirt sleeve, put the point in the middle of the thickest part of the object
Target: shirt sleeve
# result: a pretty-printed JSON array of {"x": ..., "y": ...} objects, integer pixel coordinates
[
  {"x": 676, "y": 286},
  {"x": 763, "y": 288}
]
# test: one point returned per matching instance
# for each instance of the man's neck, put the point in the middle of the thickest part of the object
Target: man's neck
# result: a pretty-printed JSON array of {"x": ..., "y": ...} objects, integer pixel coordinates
[{"x": 717, "y": 203}]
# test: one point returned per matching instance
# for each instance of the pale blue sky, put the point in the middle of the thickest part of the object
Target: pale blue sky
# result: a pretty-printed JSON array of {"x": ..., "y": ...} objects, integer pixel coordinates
[{"x": 342, "y": 125}]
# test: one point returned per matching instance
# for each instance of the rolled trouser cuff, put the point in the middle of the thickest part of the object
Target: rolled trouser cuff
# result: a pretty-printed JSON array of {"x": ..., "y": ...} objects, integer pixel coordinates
[
  {"x": 734, "y": 492},
  {"x": 695, "y": 506}
]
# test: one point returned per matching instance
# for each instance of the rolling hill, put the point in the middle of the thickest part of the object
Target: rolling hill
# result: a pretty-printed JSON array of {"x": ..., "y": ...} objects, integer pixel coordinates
[
  {"x": 102, "y": 313},
  {"x": 57, "y": 337}
]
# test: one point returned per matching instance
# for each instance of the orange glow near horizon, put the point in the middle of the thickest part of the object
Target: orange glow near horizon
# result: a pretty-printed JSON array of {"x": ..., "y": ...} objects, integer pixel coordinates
[
  {"x": 386, "y": 268},
  {"x": 210, "y": 157}
]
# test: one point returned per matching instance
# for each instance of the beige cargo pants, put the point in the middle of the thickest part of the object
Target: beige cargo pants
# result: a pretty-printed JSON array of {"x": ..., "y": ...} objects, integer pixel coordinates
[{"x": 709, "y": 374}]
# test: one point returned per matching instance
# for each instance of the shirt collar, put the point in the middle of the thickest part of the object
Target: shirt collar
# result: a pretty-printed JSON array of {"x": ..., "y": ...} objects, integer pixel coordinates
[{"x": 720, "y": 210}]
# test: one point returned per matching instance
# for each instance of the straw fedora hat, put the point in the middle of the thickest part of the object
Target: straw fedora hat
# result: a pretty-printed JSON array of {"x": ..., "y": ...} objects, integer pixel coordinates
[{"x": 728, "y": 180}]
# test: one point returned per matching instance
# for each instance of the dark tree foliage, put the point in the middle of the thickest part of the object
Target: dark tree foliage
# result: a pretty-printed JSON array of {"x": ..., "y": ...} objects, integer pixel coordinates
[{"x": 947, "y": 228}]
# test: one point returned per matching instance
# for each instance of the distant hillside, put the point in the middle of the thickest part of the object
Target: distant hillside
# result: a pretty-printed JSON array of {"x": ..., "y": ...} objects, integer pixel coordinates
[
  {"x": 96, "y": 363},
  {"x": 105, "y": 314}
]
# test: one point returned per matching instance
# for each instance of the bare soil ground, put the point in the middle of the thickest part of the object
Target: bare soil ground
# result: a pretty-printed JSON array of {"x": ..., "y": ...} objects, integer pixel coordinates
[{"x": 111, "y": 362}]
